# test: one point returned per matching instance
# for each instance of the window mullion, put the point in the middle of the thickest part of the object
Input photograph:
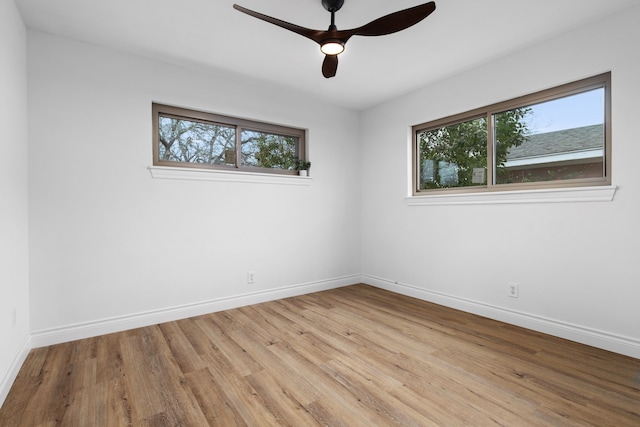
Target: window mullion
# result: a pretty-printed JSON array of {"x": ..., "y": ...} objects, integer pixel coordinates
[
  {"x": 491, "y": 149},
  {"x": 416, "y": 162},
  {"x": 239, "y": 130}
]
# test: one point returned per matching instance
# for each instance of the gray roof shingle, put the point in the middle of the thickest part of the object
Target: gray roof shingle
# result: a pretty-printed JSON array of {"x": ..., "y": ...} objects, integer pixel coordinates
[{"x": 558, "y": 142}]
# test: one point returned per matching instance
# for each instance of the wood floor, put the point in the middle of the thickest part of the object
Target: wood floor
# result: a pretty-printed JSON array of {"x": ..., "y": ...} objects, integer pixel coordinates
[{"x": 354, "y": 356}]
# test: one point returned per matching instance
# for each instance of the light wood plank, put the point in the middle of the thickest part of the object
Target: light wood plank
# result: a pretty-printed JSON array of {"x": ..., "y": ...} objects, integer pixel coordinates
[{"x": 353, "y": 356}]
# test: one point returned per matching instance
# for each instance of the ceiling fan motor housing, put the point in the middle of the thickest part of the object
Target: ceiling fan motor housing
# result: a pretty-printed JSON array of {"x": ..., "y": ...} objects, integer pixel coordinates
[{"x": 332, "y": 5}]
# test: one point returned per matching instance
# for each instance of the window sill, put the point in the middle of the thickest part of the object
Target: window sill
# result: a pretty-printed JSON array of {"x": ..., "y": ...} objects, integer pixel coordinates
[
  {"x": 164, "y": 172},
  {"x": 554, "y": 195}
]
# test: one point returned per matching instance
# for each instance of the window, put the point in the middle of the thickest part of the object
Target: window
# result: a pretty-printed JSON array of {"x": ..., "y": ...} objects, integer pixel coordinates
[
  {"x": 559, "y": 137},
  {"x": 194, "y": 139}
]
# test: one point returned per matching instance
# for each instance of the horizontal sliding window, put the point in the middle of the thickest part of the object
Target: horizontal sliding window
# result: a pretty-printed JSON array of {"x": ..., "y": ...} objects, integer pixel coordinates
[
  {"x": 195, "y": 139},
  {"x": 188, "y": 141},
  {"x": 261, "y": 149},
  {"x": 555, "y": 138},
  {"x": 454, "y": 155}
]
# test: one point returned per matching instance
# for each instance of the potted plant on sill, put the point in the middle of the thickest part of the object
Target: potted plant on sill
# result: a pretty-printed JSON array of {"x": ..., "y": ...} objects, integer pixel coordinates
[{"x": 302, "y": 166}]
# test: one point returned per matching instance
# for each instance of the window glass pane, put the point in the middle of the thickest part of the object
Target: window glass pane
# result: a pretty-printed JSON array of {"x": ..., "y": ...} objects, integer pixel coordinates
[
  {"x": 555, "y": 140},
  {"x": 268, "y": 150},
  {"x": 195, "y": 142},
  {"x": 453, "y": 156}
]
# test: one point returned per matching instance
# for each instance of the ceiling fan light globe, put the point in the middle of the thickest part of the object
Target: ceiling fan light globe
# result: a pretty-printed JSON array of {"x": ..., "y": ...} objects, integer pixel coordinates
[{"x": 332, "y": 47}]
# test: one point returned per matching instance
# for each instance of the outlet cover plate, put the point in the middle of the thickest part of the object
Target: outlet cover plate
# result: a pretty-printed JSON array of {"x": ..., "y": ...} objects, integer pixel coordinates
[{"x": 513, "y": 290}]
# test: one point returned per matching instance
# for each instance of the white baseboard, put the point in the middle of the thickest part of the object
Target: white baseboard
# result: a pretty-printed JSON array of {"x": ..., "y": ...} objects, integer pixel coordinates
[
  {"x": 11, "y": 374},
  {"x": 67, "y": 333},
  {"x": 595, "y": 338},
  {"x": 616, "y": 343}
]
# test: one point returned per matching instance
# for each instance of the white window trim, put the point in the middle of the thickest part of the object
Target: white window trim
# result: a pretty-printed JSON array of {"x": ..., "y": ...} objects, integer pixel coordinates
[
  {"x": 193, "y": 174},
  {"x": 604, "y": 193}
]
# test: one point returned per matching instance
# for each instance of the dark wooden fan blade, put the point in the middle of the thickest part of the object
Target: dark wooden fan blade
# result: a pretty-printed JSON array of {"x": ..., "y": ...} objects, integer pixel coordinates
[
  {"x": 330, "y": 65},
  {"x": 315, "y": 35},
  {"x": 396, "y": 21}
]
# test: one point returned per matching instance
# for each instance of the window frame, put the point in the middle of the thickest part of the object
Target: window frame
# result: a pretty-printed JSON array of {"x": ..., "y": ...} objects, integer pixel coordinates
[
  {"x": 239, "y": 124},
  {"x": 489, "y": 112}
]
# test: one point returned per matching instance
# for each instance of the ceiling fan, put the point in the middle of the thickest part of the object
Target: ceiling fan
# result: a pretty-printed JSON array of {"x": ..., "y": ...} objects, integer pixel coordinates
[{"x": 332, "y": 41}]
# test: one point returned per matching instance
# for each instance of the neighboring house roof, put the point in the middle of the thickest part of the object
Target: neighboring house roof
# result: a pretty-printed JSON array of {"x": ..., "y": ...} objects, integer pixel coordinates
[
  {"x": 585, "y": 142},
  {"x": 562, "y": 141}
]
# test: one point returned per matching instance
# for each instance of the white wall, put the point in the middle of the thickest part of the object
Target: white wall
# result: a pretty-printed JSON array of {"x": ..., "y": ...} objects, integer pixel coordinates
[
  {"x": 111, "y": 247},
  {"x": 576, "y": 263},
  {"x": 14, "y": 272}
]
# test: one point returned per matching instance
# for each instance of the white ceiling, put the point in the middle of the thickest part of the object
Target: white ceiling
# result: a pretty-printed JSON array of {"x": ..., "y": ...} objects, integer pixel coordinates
[{"x": 211, "y": 34}]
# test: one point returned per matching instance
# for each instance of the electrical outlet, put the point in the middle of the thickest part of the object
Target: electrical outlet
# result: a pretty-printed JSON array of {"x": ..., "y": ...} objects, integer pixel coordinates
[
  {"x": 513, "y": 290},
  {"x": 251, "y": 277}
]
